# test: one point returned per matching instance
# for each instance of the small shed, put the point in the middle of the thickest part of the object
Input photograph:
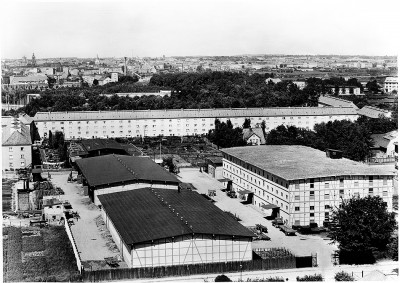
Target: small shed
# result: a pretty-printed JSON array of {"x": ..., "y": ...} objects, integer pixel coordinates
[
  {"x": 214, "y": 166},
  {"x": 334, "y": 154}
]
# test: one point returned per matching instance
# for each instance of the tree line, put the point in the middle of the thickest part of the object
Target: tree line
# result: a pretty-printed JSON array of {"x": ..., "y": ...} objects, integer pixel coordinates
[
  {"x": 189, "y": 90},
  {"x": 353, "y": 138}
]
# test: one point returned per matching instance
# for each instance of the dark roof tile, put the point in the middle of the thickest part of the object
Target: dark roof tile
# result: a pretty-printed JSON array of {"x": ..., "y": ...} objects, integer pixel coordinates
[{"x": 148, "y": 214}]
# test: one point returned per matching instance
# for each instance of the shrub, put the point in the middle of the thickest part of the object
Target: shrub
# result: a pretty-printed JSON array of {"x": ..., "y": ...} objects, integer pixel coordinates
[
  {"x": 222, "y": 278},
  {"x": 267, "y": 279},
  {"x": 343, "y": 276},
  {"x": 315, "y": 277}
]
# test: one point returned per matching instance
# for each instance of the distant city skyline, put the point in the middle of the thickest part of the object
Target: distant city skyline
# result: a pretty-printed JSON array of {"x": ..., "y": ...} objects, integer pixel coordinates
[{"x": 83, "y": 29}]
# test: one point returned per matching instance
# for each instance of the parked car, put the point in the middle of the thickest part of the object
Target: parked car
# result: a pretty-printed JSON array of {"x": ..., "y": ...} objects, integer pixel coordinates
[
  {"x": 288, "y": 231},
  {"x": 231, "y": 194},
  {"x": 262, "y": 228},
  {"x": 277, "y": 222}
]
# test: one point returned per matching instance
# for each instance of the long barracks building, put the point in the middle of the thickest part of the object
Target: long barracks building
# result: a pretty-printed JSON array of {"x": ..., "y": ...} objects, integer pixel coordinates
[
  {"x": 301, "y": 184},
  {"x": 180, "y": 122}
]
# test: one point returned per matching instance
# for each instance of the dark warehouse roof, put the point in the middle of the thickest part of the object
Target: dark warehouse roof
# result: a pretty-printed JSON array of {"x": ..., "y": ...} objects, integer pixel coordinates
[
  {"x": 149, "y": 214},
  {"x": 98, "y": 144},
  {"x": 113, "y": 169}
]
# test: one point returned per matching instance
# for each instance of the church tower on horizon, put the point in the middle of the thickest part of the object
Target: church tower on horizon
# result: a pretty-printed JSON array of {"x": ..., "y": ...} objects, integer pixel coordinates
[{"x": 33, "y": 60}]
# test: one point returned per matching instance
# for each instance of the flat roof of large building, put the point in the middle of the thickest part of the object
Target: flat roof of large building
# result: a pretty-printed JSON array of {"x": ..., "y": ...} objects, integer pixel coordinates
[
  {"x": 114, "y": 169},
  {"x": 293, "y": 162},
  {"x": 149, "y": 214},
  {"x": 192, "y": 113}
]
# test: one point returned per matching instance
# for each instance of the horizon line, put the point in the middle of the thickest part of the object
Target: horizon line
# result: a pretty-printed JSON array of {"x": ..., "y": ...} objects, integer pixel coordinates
[{"x": 237, "y": 55}]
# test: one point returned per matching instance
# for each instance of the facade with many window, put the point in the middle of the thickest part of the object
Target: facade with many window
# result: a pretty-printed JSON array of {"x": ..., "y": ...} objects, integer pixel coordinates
[
  {"x": 391, "y": 84},
  {"x": 179, "y": 122},
  {"x": 16, "y": 144},
  {"x": 302, "y": 184}
]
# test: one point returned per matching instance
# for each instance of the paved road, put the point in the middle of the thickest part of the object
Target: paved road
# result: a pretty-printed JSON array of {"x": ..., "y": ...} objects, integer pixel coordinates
[{"x": 252, "y": 215}]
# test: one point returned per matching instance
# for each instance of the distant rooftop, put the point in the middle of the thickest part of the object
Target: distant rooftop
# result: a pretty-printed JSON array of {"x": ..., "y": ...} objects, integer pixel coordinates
[
  {"x": 248, "y": 133},
  {"x": 192, "y": 113},
  {"x": 293, "y": 162},
  {"x": 14, "y": 132},
  {"x": 336, "y": 102},
  {"x": 373, "y": 112},
  {"x": 382, "y": 140}
]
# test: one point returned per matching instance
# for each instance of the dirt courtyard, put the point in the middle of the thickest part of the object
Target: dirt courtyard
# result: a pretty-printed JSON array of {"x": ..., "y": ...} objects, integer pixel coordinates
[{"x": 90, "y": 239}]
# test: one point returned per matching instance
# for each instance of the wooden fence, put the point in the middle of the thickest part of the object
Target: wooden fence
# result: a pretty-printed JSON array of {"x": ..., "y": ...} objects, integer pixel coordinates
[
  {"x": 73, "y": 243},
  {"x": 380, "y": 160},
  {"x": 187, "y": 270}
]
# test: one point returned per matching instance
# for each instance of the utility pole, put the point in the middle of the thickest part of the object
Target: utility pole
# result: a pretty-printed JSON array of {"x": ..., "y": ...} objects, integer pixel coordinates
[{"x": 160, "y": 148}]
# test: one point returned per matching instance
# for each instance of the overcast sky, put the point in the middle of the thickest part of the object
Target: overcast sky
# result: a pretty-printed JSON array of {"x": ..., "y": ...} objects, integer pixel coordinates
[{"x": 198, "y": 27}]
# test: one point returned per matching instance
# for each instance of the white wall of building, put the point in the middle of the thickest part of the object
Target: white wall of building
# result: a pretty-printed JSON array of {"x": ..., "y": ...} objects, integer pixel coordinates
[
  {"x": 16, "y": 157},
  {"x": 185, "y": 249},
  {"x": 170, "y": 127},
  {"x": 391, "y": 84},
  {"x": 303, "y": 201}
]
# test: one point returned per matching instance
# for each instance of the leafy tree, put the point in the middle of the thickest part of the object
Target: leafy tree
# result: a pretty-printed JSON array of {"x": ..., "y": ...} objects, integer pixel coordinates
[
  {"x": 51, "y": 139},
  {"x": 394, "y": 246},
  {"x": 343, "y": 276},
  {"x": 362, "y": 226},
  {"x": 222, "y": 278},
  {"x": 51, "y": 81},
  {"x": 247, "y": 123},
  {"x": 315, "y": 277},
  {"x": 378, "y": 125},
  {"x": 169, "y": 162},
  {"x": 128, "y": 79},
  {"x": 373, "y": 86},
  {"x": 34, "y": 132},
  {"x": 352, "y": 138},
  {"x": 263, "y": 126},
  {"x": 224, "y": 135},
  {"x": 291, "y": 135}
]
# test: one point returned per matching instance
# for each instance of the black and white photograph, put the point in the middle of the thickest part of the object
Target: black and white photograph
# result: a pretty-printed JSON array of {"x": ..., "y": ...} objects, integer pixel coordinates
[{"x": 199, "y": 140}]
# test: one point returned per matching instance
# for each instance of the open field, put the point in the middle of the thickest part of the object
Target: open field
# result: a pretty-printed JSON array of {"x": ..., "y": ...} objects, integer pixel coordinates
[{"x": 35, "y": 254}]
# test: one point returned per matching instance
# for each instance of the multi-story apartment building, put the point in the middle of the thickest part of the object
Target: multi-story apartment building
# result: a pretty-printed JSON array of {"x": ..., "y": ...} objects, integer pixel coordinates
[
  {"x": 179, "y": 122},
  {"x": 38, "y": 81},
  {"x": 391, "y": 84},
  {"x": 16, "y": 144},
  {"x": 301, "y": 184},
  {"x": 346, "y": 90}
]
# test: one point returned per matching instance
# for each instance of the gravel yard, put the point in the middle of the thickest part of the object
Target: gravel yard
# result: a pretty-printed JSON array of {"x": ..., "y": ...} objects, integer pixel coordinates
[{"x": 91, "y": 237}]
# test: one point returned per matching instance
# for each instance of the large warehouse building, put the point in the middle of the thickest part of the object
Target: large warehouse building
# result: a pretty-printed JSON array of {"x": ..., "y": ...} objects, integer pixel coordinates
[
  {"x": 156, "y": 227},
  {"x": 179, "y": 122},
  {"x": 116, "y": 173},
  {"x": 301, "y": 184}
]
